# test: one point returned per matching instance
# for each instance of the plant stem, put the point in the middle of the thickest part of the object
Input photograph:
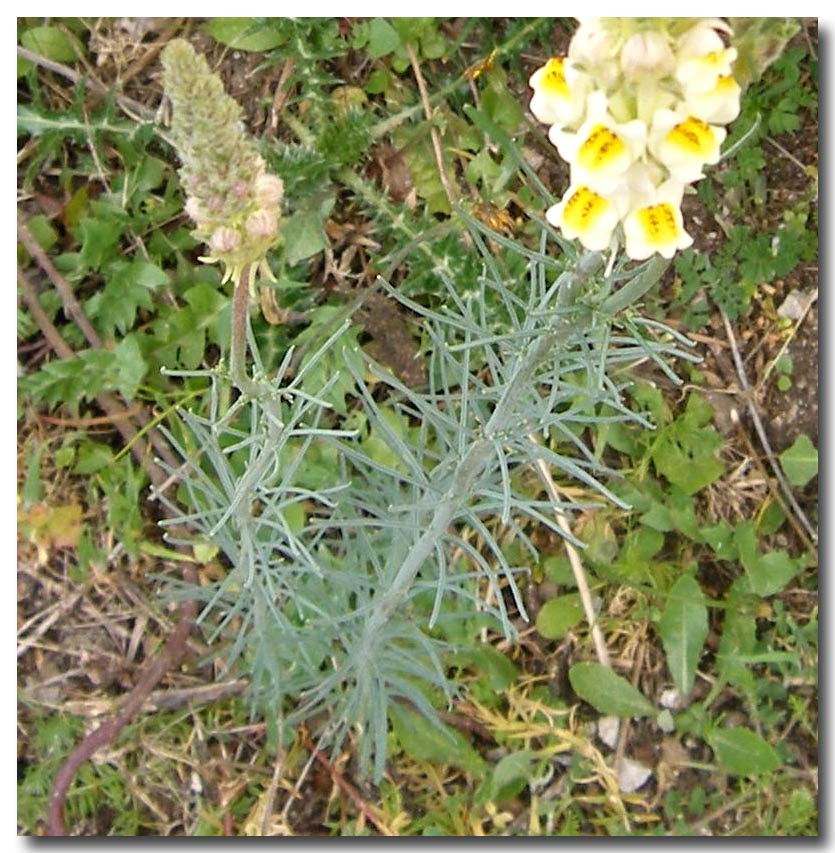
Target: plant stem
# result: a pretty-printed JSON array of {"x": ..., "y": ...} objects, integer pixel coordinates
[
  {"x": 758, "y": 426},
  {"x": 240, "y": 322},
  {"x": 576, "y": 564},
  {"x": 636, "y": 287},
  {"x": 475, "y": 460}
]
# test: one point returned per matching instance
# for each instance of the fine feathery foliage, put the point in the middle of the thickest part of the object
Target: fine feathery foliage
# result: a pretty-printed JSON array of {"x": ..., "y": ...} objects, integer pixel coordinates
[{"x": 336, "y": 584}]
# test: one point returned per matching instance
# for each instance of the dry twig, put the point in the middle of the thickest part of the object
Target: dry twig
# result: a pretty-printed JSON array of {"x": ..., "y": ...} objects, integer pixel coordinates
[
  {"x": 758, "y": 426},
  {"x": 576, "y": 564}
]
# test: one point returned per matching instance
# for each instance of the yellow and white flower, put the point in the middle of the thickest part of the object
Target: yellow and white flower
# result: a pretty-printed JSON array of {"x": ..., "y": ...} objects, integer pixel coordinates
[
  {"x": 587, "y": 216},
  {"x": 602, "y": 150},
  {"x": 656, "y": 225},
  {"x": 703, "y": 58},
  {"x": 559, "y": 92},
  {"x": 684, "y": 143},
  {"x": 702, "y": 38},
  {"x": 650, "y": 96},
  {"x": 718, "y": 106}
]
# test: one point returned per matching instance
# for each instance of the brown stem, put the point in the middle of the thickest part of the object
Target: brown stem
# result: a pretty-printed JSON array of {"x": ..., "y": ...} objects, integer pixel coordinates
[
  {"x": 170, "y": 656},
  {"x": 240, "y": 322},
  {"x": 116, "y": 412},
  {"x": 72, "y": 307},
  {"x": 355, "y": 796},
  {"x": 129, "y": 105},
  {"x": 433, "y": 131},
  {"x": 175, "y": 647}
]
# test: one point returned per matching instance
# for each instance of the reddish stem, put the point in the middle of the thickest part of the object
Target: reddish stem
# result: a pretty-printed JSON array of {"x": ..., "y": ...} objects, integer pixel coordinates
[{"x": 172, "y": 653}]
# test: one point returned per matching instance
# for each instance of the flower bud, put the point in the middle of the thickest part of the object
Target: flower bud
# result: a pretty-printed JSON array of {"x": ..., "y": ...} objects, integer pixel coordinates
[
  {"x": 269, "y": 190},
  {"x": 262, "y": 224},
  {"x": 646, "y": 56},
  {"x": 225, "y": 240},
  {"x": 594, "y": 49},
  {"x": 239, "y": 189},
  {"x": 193, "y": 210}
]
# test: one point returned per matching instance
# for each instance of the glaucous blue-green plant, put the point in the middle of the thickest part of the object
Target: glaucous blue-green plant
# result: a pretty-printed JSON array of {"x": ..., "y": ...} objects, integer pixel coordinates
[{"x": 342, "y": 560}]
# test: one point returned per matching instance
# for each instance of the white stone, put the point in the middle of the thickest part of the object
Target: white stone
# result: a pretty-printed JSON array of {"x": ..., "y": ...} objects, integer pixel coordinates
[
  {"x": 607, "y": 730},
  {"x": 631, "y": 775}
]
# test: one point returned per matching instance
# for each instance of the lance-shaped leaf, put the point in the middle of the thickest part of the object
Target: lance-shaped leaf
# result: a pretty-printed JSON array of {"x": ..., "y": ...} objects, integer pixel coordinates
[{"x": 683, "y": 629}]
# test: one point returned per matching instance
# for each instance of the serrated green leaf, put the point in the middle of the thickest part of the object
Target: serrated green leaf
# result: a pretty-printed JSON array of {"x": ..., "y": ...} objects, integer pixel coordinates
[
  {"x": 99, "y": 238},
  {"x": 250, "y": 34},
  {"x": 440, "y": 744},
  {"x": 800, "y": 461},
  {"x": 686, "y": 455},
  {"x": 698, "y": 412},
  {"x": 128, "y": 288},
  {"x": 383, "y": 39},
  {"x": 559, "y": 615},
  {"x": 639, "y": 548},
  {"x": 683, "y": 628},
  {"x": 304, "y": 231},
  {"x": 149, "y": 175},
  {"x": 608, "y": 692},
  {"x": 43, "y": 231},
  {"x": 181, "y": 335},
  {"x": 767, "y": 573},
  {"x": 70, "y": 380},
  {"x": 50, "y": 42},
  {"x": 130, "y": 367},
  {"x": 92, "y": 457},
  {"x": 742, "y": 752},
  {"x": 37, "y": 122}
]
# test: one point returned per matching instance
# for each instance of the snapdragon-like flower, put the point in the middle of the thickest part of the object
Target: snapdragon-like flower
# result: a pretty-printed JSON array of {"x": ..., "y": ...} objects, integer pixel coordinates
[
  {"x": 684, "y": 144},
  {"x": 587, "y": 216},
  {"x": 559, "y": 93},
  {"x": 602, "y": 150},
  {"x": 719, "y": 105},
  {"x": 637, "y": 110},
  {"x": 657, "y": 225}
]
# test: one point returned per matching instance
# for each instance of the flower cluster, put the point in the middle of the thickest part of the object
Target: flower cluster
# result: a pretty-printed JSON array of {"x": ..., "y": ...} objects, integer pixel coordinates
[
  {"x": 233, "y": 201},
  {"x": 637, "y": 109}
]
